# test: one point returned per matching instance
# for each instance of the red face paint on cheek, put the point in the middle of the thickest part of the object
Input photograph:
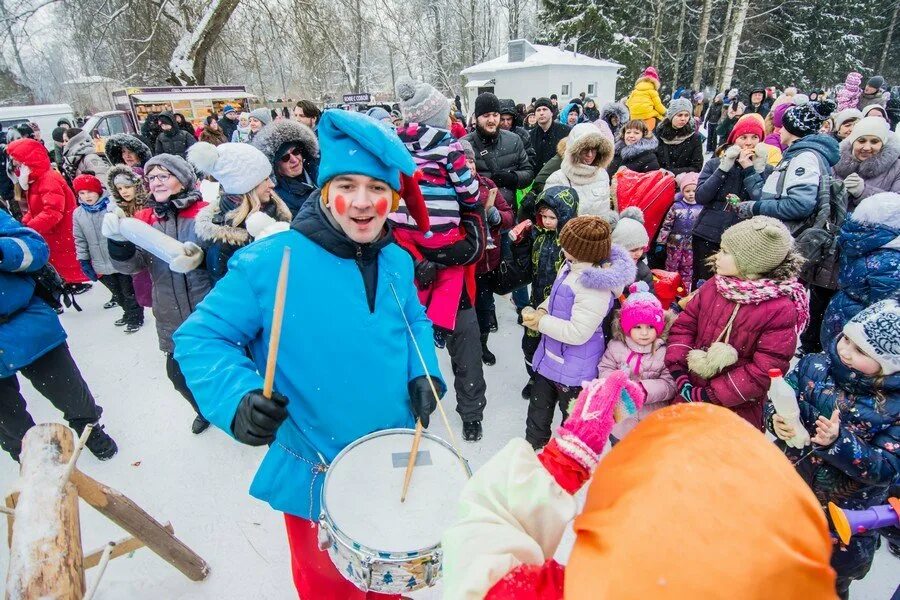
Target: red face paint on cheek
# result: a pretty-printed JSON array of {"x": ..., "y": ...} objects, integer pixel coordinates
[
  {"x": 340, "y": 205},
  {"x": 381, "y": 207}
]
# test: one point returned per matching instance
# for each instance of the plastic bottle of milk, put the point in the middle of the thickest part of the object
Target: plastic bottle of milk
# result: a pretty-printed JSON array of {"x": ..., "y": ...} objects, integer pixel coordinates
[{"x": 784, "y": 399}]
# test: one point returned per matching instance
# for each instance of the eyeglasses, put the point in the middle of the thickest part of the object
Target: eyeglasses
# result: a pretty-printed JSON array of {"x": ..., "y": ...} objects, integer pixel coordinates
[
  {"x": 163, "y": 178},
  {"x": 295, "y": 151}
]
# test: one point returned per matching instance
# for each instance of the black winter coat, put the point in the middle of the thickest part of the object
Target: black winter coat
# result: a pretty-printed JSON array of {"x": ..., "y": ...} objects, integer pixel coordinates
[
  {"x": 228, "y": 126},
  {"x": 175, "y": 141},
  {"x": 713, "y": 187},
  {"x": 544, "y": 142},
  {"x": 762, "y": 109},
  {"x": 714, "y": 113},
  {"x": 504, "y": 153},
  {"x": 685, "y": 157}
]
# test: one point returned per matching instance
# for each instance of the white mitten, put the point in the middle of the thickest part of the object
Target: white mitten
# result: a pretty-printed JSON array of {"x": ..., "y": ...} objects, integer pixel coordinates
[
  {"x": 855, "y": 184},
  {"x": 728, "y": 157},
  {"x": 110, "y": 226},
  {"x": 190, "y": 260},
  {"x": 260, "y": 225},
  {"x": 760, "y": 157}
]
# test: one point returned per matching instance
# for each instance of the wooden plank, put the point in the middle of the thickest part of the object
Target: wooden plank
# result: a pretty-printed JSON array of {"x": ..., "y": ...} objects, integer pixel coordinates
[
  {"x": 10, "y": 503},
  {"x": 122, "y": 511},
  {"x": 124, "y": 546}
]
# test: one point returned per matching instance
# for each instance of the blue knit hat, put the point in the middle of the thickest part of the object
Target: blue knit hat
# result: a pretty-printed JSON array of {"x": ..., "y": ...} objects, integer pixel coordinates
[{"x": 353, "y": 143}]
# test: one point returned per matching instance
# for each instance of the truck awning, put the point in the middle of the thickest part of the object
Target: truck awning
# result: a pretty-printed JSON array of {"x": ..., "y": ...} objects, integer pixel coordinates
[{"x": 164, "y": 97}]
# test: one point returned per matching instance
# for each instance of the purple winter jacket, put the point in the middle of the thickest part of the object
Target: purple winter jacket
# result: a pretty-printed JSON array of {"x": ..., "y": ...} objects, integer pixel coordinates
[
  {"x": 582, "y": 295},
  {"x": 679, "y": 222}
]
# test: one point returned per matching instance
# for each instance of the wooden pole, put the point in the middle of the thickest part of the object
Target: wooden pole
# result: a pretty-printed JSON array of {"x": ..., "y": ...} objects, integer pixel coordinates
[
  {"x": 101, "y": 569},
  {"x": 122, "y": 511},
  {"x": 412, "y": 459},
  {"x": 124, "y": 546},
  {"x": 45, "y": 551},
  {"x": 277, "y": 317},
  {"x": 10, "y": 504}
]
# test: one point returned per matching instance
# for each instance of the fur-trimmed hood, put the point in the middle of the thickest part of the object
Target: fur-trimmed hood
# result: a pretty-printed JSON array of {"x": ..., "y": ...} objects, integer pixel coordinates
[
  {"x": 647, "y": 144},
  {"x": 614, "y": 274},
  {"x": 876, "y": 166},
  {"x": 273, "y": 136},
  {"x": 79, "y": 145},
  {"x": 210, "y": 232},
  {"x": 615, "y": 109},
  {"x": 116, "y": 143},
  {"x": 617, "y": 333},
  {"x": 140, "y": 198},
  {"x": 585, "y": 136}
]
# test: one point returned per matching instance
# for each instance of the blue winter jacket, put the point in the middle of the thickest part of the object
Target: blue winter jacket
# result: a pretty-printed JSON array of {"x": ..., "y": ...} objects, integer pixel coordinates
[
  {"x": 28, "y": 327},
  {"x": 869, "y": 272},
  {"x": 799, "y": 171},
  {"x": 856, "y": 471},
  {"x": 343, "y": 366}
]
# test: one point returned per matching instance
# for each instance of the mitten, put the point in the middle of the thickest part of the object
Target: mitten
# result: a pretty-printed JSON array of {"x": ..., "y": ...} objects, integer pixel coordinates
[
  {"x": 257, "y": 418},
  {"x": 745, "y": 209},
  {"x": 726, "y": 162},
  {"x": 854, "y": 184},
  {"x": 421, "y": 397},
  {"x": 760, "y": 157},
  {"x": 110, "y": 226},
  {"x": 260, "y": 225},
  {"x": 425, "y": 272},
  {"x": 88, "y": 269},
  {"x": 190, "y": 260}
]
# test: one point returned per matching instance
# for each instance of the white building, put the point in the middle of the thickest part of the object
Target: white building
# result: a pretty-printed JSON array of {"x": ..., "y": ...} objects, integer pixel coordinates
[{"x": 529, "y": 71}]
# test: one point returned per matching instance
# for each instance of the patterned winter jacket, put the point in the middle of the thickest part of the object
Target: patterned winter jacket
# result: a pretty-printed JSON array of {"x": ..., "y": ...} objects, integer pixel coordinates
[
  {"x": 856, "y": 471},
  {"x": 870, "y": 264},
  {"x": 881, "y": 173},
  {"x": 447, "y": 182},
  {"x": 546, "y": 253},
  {"x": 679, "y": 223}
]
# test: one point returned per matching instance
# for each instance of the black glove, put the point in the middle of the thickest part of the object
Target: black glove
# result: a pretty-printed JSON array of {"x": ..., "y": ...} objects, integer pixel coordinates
[
  {"x": 257, "y": 418},
  {"x": 422, "y": 398},
  {"x": 505, "y": 179},
  {"x": 425, "y": 271}
]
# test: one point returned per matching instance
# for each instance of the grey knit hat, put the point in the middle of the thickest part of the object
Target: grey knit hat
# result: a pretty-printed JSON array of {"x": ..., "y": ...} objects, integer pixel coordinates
[
  {"x": 678, "y": 105},
  {"x": 262, "y": 114},
  {"x": 421, "y": 103},
  {"x": 177, "y": 166},
  {"x": 468, "y": 150}
]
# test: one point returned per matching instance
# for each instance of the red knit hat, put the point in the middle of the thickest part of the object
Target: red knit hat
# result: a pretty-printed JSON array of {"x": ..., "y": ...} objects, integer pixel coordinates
[
  {"x": 751, "y": 125},
  {"x": 651, "y": 73},
  {"x": 415, "y": 202},
  {"x": 89, "y": 183}
]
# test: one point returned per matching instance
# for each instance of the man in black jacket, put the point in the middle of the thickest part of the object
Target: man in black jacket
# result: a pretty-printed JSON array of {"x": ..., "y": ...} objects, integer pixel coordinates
[
  {"x": 509, "y": 121},
  {"x": 499, "y": 155},
  {"x": 547, "y": 134},
  {"x": 172, "y": 140}
]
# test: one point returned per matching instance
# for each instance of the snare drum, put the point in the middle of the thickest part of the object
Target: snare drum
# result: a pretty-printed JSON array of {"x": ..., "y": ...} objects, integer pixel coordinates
[{"x": 374, "y": 540}]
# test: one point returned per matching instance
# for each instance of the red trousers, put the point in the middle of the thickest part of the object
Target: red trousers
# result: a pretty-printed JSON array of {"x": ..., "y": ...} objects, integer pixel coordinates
[{"x": 315, "y": 576}]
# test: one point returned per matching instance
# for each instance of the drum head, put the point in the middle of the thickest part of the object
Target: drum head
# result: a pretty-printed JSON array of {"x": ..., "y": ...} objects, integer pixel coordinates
[{"x": 363, "y": 486}]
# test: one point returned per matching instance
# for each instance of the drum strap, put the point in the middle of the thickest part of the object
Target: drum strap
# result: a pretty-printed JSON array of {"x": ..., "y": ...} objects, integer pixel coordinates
[{"x": 316, "y": 468}]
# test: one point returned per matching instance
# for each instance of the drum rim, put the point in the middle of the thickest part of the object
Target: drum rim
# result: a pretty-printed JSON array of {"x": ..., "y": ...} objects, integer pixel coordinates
[{"x": 348, "y": 542}]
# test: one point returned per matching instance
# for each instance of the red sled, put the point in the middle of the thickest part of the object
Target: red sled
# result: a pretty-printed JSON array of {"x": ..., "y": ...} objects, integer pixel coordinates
[
  {"x": 653, "y": 193},
  {"x": 667, "y": 286}
]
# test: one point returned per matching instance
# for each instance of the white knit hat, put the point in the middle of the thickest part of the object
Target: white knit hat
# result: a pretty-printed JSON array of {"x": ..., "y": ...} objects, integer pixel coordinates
[
  {"x": 238, "y": 167},
  {"x": 630, "y": 232},
  {"x": 876, "y": 331},
  {"x": 869, "y": 126}
]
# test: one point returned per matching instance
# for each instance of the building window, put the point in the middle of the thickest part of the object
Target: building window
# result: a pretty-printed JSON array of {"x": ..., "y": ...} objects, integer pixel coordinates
[
  {"x": 565, "y": 90},
  {"x": 592, "y": 89}
]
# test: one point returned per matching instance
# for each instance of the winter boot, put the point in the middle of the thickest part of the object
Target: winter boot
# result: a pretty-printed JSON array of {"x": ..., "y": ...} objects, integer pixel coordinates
[
  {"x": 526, "y": 391},
  {"x": 132, "y": 327},
  {"x": 78, "y": 288},
  {"x": 100, "y": 444},
  {"x": 487, "y": 357},
  {"x": 111, "y": 304},
  {"x": 199, "y": 425},
  {"x": 440, "y": 337},
  {"x": 493, "y": 327},
  {"x": 121, "y": 322},
  {"x": 472, "y": 431}
]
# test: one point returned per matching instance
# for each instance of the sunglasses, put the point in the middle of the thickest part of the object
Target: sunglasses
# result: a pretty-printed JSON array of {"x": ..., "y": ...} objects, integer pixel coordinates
[{"x": 295, "y": 151}]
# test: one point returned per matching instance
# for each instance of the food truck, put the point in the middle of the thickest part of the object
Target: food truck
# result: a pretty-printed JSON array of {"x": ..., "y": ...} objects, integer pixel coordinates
[{"x": 194, "y": 102}]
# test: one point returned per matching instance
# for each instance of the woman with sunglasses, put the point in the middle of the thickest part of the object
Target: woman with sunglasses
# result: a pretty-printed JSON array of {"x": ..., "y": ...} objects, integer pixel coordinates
[
  {"x": 293, "y": 151},
  {"x": 245, "y": 176},
  {"x": 178, "y": 286}
]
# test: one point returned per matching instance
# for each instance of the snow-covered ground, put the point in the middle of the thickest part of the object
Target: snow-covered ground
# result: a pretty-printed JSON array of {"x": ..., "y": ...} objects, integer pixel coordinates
[{"x": 199, "y": 483}]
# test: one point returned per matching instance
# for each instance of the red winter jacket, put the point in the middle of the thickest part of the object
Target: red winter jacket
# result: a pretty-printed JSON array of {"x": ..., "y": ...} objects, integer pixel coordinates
[
  {"x": 763, "y": 335},
  {"x": 51, "y": 204},
  {"x": 491, "y": 257}
]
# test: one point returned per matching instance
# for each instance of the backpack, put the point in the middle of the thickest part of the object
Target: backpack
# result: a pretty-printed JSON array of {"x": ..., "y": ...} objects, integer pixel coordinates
[{"x": 51, "y": 288}]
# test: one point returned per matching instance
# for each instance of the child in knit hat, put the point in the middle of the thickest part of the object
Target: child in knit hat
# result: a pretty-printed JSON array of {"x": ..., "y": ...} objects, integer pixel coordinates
[
  {"x": 677, "y": 227},
  {"x": 742, "y": 322},
  {"x": 92, "y": 251},
  {"x": 849, "y": 400},
  {"x": 638, "y": 347},
  {"x": 630, "y": 233},
  {"x": 570, "y": 320},
  {"x": 448, "y": 188},
  {"x": 242, "y": 132}
]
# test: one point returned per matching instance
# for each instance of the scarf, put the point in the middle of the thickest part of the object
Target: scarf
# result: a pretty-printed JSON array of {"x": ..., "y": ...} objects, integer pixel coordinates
[
  {"x": 99, "y": 206},
  {"x": 671, "y": 136},
  {"x": 174, "y": 204},
  {"x": 756, "y": 291}
]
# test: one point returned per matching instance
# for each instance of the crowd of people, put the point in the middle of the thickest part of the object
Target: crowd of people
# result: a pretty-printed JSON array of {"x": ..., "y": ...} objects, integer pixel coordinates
[{"x": 778, "y": 238}]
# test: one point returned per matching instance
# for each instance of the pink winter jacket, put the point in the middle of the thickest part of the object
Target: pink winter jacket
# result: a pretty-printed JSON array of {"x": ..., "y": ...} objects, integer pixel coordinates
[{"x": 644, "y": 366}]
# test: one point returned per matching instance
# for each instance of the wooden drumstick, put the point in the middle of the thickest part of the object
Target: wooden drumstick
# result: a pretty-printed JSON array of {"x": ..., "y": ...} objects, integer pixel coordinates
[
  {"x": 277, "y": 317},
  {"x": 413, "y": 453}
]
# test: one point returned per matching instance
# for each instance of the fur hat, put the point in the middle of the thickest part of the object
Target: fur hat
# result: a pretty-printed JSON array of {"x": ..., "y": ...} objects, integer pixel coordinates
[
  {"x": 685, "y": 179},
  {"x": 641, "y": 308},
  {"x": 353, "y": 143},
  {"x": 115, "y": 144},
  {"x": 678, "y": 105},
  {"x": 807, "y": 119},
  {"x": 630, "y": 232},
  {"x": 615, "y": 109},
  {"x": 882, "y": 208},
  {"x": 88, "y": 183},
  {"x": 261, "y": 114},
  {"x": 876, "y": 331},
  {"x": 746, "y": 125},
  {"x": 421, "y": 103},
  {"x": 177, "y": 166},
  {"x": 275, "y": 139},
  {"x": 487, "y": 103},
  {"x": 587, "y": 238},
  {"x": 585, "y": 136},
  {"x": 845, "y": 115},
  {"x": 875, "y": 126},
  {"x": 238, "y": 167},
  {"x": 758, "y": 245}
]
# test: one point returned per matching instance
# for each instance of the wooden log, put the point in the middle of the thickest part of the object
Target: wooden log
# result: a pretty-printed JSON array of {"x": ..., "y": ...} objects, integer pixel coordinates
[
  {"x": 122, "y": 511},
  {"x": 122, "y": 547},
  {"x": 45, "y": 554}
]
